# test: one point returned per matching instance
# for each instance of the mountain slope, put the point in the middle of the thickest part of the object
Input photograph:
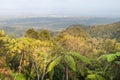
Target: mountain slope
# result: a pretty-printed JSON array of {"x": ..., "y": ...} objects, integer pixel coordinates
[{"x": 105, "y": 31}]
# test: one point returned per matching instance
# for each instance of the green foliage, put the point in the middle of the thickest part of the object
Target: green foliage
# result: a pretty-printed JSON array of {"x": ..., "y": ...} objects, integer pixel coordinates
[
  {"x": 80, "y": 57},
  {"x": 31, "y": 33},
  {"x": 116, "y": 35},
  {"x": 38, "y": 56},
  {"x": 55, "y": 62},
  {"x": 94, "y": 77},
  {"x": 19, "y": 76},
  {"x": 110, "y": 57},
  {"x": 118, "y": 54},
  {"x": 40, "y": 35},
  {"x": 2, "y": 33},
  {"x": 70, "y": 62},
  {"x": 105, "y": 31},
  {"x": 77, "y": 31},
  {"x": 112, "y": 65},
  {"x": 44, "y": 35}
]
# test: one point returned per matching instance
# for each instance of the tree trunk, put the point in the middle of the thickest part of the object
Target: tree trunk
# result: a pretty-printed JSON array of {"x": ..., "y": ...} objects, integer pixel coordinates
[
  {"x": 43, "y": 75},
  {"x": 38, "y": 74},
  {"x": 37, "y": 71},
  {"x": 66, "y": 72}
]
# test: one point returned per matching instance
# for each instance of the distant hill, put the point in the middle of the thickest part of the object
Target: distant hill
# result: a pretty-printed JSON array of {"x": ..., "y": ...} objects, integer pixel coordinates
[
  {"x": 19, "y": 25},
  {"x": 77, "y": 31},
  {"x": 97, "y": 31},
  {"x": 105, "y": 31}
]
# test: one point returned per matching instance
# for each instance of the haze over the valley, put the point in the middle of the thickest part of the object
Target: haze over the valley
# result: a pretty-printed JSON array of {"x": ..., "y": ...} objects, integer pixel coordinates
[{"x": 18, "y": 15}]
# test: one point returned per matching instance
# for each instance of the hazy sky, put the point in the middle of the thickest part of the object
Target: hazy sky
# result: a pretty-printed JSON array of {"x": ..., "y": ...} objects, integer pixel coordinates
[{"x": 105, "y": 8}]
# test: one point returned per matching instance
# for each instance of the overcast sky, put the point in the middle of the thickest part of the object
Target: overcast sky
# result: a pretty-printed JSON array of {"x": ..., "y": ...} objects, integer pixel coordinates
[{"x": 97, "y": 8}]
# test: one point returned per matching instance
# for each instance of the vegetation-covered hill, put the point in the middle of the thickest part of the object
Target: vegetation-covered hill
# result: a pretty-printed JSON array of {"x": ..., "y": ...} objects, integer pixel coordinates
[
  {"x": 76, "y": 53},
  {"x": 105, "y": 31},
  {"x": 76, "y": 30},
  {"x": 97, "y": 31}
]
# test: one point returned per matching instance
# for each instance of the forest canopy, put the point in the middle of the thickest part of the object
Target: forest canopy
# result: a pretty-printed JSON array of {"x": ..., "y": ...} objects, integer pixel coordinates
[{"x": 76, "y": 53}]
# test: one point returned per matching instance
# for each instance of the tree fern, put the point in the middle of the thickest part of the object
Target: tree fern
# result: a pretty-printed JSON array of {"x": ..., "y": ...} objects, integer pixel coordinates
[
  {"x": 118, "y": 54},
  {"x": 70, "y": 62},
  {"x": 94, "y": 77},
  {"x": 110, "y": 57},
  {"x": 54, "y": 63},
  {"x": 80, "y": 57}
]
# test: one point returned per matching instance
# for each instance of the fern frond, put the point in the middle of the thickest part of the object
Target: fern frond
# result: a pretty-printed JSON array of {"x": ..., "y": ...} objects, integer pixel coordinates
[
  {"x": 110, "y": 57},
  {"x": 103, "y": 57},
  {"x": 54, "y": 63},
  {"x": 80, "y": 57},
  {"x": 94, "y": 77},
  {"x": 70, "y": 62},
  {"x": 118, "y": 54}
]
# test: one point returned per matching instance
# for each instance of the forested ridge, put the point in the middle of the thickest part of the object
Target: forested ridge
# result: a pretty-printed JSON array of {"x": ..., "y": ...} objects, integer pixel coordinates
[
  {"x": 105, "y": 31},
  {"x": 76, "y": 53}
]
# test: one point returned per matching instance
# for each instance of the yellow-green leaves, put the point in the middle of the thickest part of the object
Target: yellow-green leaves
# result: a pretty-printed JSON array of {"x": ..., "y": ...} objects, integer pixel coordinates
[
  {"x": 2, "y": 33},
  {"x": 55, "y": 62},
  {"x": 70, "y": 62},
  {"x": 110, "y": 57},
  {"x": 80, "y": 57},
  {"x": 94, "y": 77}
]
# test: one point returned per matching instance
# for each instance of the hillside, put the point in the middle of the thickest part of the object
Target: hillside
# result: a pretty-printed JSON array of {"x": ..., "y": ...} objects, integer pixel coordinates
[
  {"x": 77, "y": 31},
  {"x": 105, "y": 31},
  {"x": 75, "y": 51},
  {"x": 97, "y": 31}
]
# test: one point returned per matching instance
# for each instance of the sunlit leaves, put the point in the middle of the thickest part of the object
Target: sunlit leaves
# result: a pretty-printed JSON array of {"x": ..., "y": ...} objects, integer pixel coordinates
[
  {"x": 70, "y": 62},
  {"x": 94, "y": 77},
  {"x": 55, "y": 62},
  {"x": 110, "y": 57},
  {"x": 80, "y": 57},
  {"x": 2, "y": 33},
  {"x": 33, "y": 57}
]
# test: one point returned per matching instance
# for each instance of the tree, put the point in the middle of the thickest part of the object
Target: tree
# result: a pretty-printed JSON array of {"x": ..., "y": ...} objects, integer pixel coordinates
[
  {"x": 5, "y": 56},
  {"x": 112, "y": 64},
  {"x": 68, "y": 61},
  {"x": 31, "y": 33},
  {"x": 116, "y": 35},
  {"x": 44, "y": 35}
]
